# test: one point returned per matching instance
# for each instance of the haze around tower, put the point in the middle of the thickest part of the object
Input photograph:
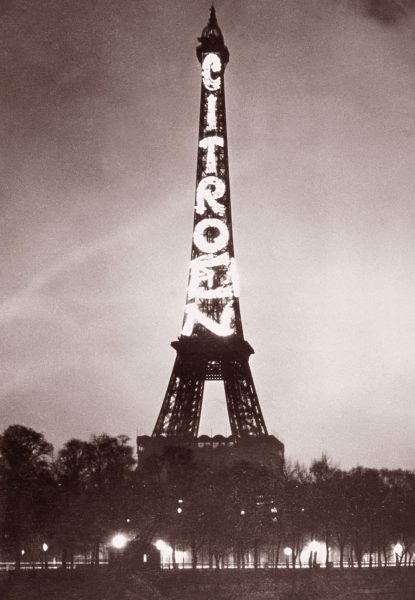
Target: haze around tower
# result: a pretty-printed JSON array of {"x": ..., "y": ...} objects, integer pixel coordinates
[{"x": 99, "y": 108}]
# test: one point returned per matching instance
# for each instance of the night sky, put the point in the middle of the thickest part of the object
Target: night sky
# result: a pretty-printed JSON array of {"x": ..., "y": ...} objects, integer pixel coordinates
[{"x": 99, "y": 119}]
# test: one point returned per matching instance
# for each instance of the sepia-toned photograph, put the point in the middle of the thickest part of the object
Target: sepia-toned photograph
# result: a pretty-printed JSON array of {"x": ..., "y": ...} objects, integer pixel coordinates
[{"x": 207, "y": 300}]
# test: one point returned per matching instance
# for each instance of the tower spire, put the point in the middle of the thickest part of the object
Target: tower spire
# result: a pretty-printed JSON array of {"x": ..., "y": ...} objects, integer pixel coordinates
[{"x": 211, "y": 39}]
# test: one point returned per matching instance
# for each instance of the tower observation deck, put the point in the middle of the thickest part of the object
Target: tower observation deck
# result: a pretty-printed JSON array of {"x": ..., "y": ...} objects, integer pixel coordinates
[{"x": 211, "y": 344}]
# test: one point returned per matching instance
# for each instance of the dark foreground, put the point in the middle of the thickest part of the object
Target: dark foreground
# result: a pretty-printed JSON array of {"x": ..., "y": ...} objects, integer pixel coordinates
[{"x": 106, "y": 584}]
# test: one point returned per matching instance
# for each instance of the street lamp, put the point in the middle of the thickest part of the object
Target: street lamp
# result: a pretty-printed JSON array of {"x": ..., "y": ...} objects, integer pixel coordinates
[
  {"x": 287, "y": 552},
  {"x": 398, "y": 549},
  {"x": 119, "y": 541},
  {"x": 45, "y": 548}
]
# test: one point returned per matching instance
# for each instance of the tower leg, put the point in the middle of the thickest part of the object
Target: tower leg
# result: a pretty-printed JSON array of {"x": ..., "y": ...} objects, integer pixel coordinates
[
  {"x": 182, "y": 405},
  {"x": 244, "y": 411}
]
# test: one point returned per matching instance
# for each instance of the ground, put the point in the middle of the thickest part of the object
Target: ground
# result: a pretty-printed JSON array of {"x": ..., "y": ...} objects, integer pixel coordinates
[{"x": 106, "y": 584}]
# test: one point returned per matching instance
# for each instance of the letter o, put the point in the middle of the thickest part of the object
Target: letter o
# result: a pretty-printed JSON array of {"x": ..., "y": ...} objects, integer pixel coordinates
[{"x": 220, "y": 241}]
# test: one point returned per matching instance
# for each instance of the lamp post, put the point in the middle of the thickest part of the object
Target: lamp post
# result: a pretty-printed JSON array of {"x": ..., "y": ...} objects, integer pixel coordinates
[
  {"x": 119, "y": 542},
  {"x": 45, "y": 548},
  {"x": 398, "y": 549},
  {"x": 287, "y": 553}
]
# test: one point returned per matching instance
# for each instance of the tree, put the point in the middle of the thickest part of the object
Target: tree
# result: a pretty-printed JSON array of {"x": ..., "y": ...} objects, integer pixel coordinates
[
  {"x": 28, "y": 487},
  {"x": 109, "y": 466},
  {"x": 324, "y": 499},
  {"x": 399, "y": 513},
  {"x": 94, "y": 481},
  {"x": 365, "y": 496},
  {"x": 341, "y": 512},
  {"x": 257, "y": 493},
  {"x": 296, "y": 517},
  {"x": 72, "y": 475}
]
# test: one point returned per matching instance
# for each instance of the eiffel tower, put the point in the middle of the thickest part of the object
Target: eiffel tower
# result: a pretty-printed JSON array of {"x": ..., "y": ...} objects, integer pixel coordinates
[{"x": 211, "y": 345}]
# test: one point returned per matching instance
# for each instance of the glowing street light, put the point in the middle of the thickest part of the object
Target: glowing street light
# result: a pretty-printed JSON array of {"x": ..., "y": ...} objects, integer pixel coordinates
[
  {"x": 242, "y": 512},
  {"x": 119, "y": 541},
  {"x": 287, "y": 553},
  {"x": 398, "y": 548},
  {"x": 160, "y": 545},
  {"x": 179, "y": 510},
  {"x": 45, "y": 548}
]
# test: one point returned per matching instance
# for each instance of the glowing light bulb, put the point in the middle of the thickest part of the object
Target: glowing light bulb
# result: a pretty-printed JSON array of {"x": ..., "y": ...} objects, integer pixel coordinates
[
  {"x": 398, "y": 548},
  {"x": 119, "y": 541}
]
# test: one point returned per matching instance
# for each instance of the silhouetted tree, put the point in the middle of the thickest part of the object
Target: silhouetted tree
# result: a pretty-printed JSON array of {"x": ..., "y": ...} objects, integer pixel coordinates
[
  {"x": 72, "y": 470},
  {"x": 324, "y": 500},
  {"x": 297, "y": 509},
  {"x": 94, "y": 481},
  {"x": 28, "y": 487}
]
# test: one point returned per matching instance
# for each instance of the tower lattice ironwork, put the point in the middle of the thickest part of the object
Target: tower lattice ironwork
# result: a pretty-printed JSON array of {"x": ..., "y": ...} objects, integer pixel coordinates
[{"x": 211, "y": 345}]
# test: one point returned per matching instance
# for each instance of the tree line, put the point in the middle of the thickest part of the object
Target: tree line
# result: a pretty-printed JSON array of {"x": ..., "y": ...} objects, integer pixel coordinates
[{"x": 73, "y": 502}]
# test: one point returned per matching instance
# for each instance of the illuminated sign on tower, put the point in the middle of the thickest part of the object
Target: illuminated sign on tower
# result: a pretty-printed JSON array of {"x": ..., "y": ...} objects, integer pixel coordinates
[
  {"x": 211, "y": 344},
  {"x": 212, "y": 295}
]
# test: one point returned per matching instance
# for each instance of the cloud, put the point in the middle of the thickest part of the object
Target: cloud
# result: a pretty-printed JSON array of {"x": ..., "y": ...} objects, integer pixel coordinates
[
  {"x": 29, "y": 302},
  {"x": 387, "y": 12}
]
